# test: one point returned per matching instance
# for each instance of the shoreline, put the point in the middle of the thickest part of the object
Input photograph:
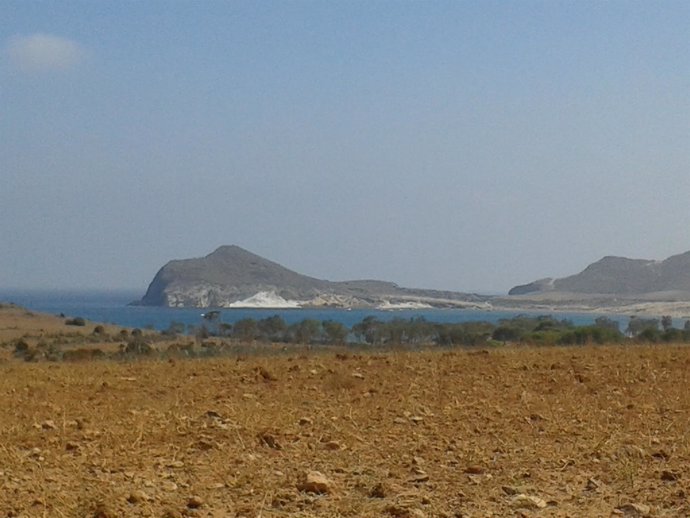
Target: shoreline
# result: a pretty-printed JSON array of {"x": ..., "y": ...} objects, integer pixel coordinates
[{"x": 674, "y": 309}]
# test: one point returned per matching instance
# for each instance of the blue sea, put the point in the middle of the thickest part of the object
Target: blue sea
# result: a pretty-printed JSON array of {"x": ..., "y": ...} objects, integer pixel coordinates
[{"x": 113, "y": 307}]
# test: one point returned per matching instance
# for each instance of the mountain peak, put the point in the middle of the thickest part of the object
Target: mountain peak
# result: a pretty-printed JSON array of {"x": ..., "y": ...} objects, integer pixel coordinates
[{"x": 230, "y": 250}]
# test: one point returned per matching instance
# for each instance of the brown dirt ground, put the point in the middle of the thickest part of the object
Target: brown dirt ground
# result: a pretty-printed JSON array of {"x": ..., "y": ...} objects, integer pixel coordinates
[{"x": 402, "y": 434}]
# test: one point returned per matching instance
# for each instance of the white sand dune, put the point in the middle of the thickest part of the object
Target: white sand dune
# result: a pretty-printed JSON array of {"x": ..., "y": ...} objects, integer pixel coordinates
[{"x": 265, "y": 299}]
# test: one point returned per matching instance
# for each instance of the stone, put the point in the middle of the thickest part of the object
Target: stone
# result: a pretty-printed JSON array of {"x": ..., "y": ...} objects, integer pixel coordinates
[
  {"x": 265, "y": 374},
  {"x": 137, "y": 496},
  {"x": 419, "y": 477},
  {"x": 523, "y": 501},
  {"x": 510, "y": 490},
  {"x": 315, "y": 482},
  {"x": 103, "y": 511},
  {"x": 633, "y": 510},
  {"x": 266, "y": 438},
  {"x": 169, "y": 485},
  {"x": 669, "y": 476},
  {"x": 378, "y": 491},
  {"x": 194, "y": 502},
  {"x": 398, "y": 511},
  {"x": 48, "y": 424},
  {"x": 592, "y": 484}
]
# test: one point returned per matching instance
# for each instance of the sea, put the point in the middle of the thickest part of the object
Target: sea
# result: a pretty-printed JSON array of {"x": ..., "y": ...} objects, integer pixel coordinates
[{"x": 114, "y": 307}]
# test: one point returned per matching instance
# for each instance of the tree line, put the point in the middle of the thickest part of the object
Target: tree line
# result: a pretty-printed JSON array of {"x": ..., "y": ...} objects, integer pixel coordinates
[{"x": 522, "y": 329}]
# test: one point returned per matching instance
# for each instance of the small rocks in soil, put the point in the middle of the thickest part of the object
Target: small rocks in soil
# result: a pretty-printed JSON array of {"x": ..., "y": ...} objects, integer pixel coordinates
[
  {"x": 523, "y": 501},
  {"x": 634, "y": 510},
  {"x": 315, "y": 482},
  {"x": 194, "y": 502}
]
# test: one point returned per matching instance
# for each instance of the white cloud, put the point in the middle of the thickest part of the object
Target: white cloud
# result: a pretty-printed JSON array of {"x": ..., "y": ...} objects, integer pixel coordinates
[{"x": 43, "y": 52}]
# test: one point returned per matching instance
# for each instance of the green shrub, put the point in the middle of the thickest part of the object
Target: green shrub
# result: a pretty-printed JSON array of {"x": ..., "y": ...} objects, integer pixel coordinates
[
  {"x": 595, "y": 334},
  {"x": 507, "y": 333},
  {"x": 335, "y": 333},
  {"x": 649, "y": 334}
]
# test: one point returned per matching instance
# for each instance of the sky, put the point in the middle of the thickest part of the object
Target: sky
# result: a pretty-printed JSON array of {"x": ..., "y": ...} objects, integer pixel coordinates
[{"x": 461, "y": 145}]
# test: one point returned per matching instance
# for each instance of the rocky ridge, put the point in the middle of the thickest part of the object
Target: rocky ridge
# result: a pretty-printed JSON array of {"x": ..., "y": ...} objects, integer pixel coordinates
[
  {"x": 620, "y": 277},
  {"x": 233, "y": 277}
]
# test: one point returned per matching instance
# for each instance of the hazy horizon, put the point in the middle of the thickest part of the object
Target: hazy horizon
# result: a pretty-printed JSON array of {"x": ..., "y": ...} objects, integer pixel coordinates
[{"x": 467, "y": 146}]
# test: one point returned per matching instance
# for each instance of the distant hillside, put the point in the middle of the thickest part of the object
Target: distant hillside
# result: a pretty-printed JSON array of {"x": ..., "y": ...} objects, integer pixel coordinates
[
  {"x": 620, "y": 276},
  {"x": 233, "y": 272},
  {"x": 233, "y": 277}
]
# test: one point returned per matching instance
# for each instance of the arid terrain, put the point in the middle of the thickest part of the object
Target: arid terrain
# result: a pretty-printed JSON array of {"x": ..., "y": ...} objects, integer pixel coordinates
[{"x": 513, "y": 431}]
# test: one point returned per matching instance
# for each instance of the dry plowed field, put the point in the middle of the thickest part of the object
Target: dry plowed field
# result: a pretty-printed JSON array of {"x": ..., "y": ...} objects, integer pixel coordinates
[{"x": 510, "y": 432}]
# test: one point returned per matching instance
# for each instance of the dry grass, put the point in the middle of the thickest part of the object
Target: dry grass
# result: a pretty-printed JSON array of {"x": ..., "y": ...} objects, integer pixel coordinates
[{"x": 434, "y": 433}]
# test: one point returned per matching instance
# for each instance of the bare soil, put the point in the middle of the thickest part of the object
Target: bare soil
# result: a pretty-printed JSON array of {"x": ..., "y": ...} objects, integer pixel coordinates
[{"x": 593, "y": 431}]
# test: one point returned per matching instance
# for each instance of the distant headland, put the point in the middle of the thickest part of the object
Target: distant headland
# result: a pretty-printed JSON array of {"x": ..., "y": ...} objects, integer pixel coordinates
[{"x": 232, "y": 277}]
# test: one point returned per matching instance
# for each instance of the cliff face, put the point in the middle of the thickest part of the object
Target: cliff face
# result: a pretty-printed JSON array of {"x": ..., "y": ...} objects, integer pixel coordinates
[
  {"x": 230, "y": 275},
  {"x": 620, "y": 276}
]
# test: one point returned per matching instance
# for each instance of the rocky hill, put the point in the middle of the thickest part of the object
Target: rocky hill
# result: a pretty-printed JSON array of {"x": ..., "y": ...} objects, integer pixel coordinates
[
  {"x": 621, "y": 276},
  {"x": 233, "y": 277}
]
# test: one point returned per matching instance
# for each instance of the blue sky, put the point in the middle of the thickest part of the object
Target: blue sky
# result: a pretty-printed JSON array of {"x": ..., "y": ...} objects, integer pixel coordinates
[{"x": 455, "y": 145}]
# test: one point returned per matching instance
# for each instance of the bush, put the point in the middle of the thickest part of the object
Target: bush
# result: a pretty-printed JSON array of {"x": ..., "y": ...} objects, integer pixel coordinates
[
  {"x": 596, "y": 334},
  {"x": 52, "y": 353},
  {"x": 76, "y": 321},
  {"x": 31, "y": 355},
  {"x": 138, "y": 346},
  {"x": 649, "y": 334},
  {"x": 186, "y": 349},
  {"x": 607, "y": 323},
  {"x": 335, "y": 333},
  {"x": 368, "y": 330},
  {"x": 305, "y": 332},
  {"x": 674, "y": 335},
  {"x": 174, "y": 329},
  {"x": 548, "y": 337},
  {"x": 245, "y": 330},
  {"x": 506, "y": 333},
  {"x": 272, "y": 329},
  {"x": 467, "y": 334},
  {"x": 638, "y": 325},
  {"x": 82, "y": 354},
  {"x": 20, "y": 346}
]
